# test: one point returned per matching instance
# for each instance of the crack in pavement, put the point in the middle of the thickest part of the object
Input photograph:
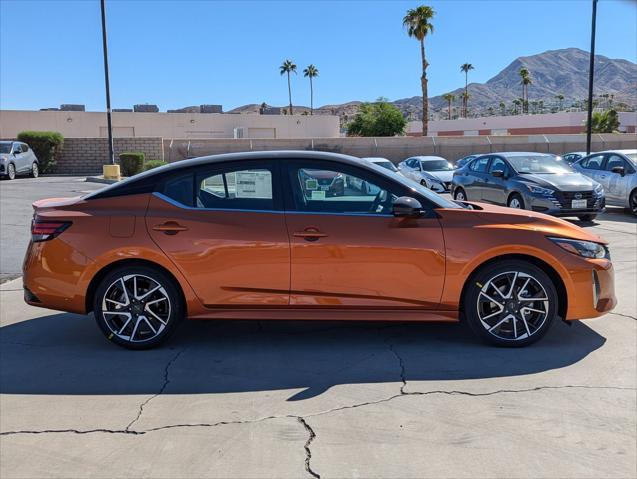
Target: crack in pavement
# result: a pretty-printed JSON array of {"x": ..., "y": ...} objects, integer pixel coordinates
[
  {"x": 624, "y": 315},
  {"x": 403, "y": 378},
  {"x": 308, "y": 451},
  {"x": 163, "y": 388}
]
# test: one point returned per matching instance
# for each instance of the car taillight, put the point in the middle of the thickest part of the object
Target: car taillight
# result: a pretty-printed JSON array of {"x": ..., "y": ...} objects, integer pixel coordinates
[{"x": 44, "y": 230}]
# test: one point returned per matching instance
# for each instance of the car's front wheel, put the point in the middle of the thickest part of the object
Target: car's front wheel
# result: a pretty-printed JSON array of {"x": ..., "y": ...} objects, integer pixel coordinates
[
  {"x": 515, "y": 201},
  {"x": 633, "y": 202},
  {"x": 11, "y": 171},
  {"x": 137, "y": 307},
  {"x": 460, "y": 195},
  {"x": 586, "y": 217},
  {"x": 510, "y": 303},
  {"x": 35, "y": 170}
]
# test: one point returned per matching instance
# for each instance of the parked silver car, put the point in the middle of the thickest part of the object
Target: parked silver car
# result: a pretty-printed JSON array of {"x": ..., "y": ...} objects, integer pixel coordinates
[
  {"x": 616, "y": 171},
  {"x": 16, "y": 158},
  {"x": 433, "y": 172}
]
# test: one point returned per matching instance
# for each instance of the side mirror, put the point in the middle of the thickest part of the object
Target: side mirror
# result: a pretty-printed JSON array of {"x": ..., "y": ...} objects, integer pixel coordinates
[
  {"x": 406, "y": 207},
  {"x": 619, "y": 170},
  {"x": 498, "y": 173}
]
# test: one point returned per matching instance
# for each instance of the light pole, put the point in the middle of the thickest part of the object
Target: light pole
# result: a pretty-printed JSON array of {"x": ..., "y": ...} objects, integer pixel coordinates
[
  {"x": 591, "y": 72},
  {"x": 111, "y": 152}
]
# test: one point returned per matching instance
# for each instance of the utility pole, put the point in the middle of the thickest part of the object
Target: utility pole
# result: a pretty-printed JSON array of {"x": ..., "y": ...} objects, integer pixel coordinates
[
  {"x": 591, "y": 72},
  {"x": 108, "y": 88}
]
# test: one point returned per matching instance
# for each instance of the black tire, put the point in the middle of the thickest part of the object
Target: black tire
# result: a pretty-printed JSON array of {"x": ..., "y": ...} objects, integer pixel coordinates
[
  {"x": 632, "y": 201},
  {"x": 512, "y": 201},
  {"x": 460, "y": 192},
  {"x": 171, "y": 311},
  {"x": 35, "y": 170},
  {"x": 10, "y": 171},
  {"x": 480, "y": 291},
  {"x": 590, "y": 217}
]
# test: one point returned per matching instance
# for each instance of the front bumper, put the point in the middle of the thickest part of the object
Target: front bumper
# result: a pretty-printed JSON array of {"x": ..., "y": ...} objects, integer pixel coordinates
[
  {"x": 593, "y": 290},
  {"x": 561, "y": 205}
]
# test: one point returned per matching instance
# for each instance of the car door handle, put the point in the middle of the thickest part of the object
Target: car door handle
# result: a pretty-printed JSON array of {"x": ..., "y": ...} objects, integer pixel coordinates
[
  {"x": 170, "y": 228},
  {"x": 603, "y": 176},
  {"x": 309, "y": 234}
]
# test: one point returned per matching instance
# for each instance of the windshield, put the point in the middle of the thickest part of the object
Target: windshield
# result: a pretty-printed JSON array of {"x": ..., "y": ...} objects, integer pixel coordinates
[
  {"x": 539, "y": 164},
  {"x": 436, "y": 165},
  {"x": 387, "y": 164},
  {"x": 5, "y": 147}
]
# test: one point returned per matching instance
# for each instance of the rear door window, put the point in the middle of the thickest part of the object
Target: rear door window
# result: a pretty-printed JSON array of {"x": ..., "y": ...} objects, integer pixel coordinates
[{"x": 593, "y": 162}]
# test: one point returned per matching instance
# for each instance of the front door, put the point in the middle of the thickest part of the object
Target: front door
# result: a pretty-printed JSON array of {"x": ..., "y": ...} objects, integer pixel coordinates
[
  {"x": 495, "y": 186},
  {"x": 349, "y": 251},
  {"x": 224, "y": 228}
]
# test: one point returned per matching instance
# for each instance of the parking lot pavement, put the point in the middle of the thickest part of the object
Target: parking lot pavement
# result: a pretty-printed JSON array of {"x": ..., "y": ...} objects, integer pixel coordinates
[
  {"x": 308, "y": 399},
  {"x": 16, "y": 197}
]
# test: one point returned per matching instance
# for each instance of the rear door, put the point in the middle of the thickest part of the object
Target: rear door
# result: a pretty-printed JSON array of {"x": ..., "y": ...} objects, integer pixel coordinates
[
  {"x": 616, "y": 185},
  {"x": 477, "y": 175},
  {"x": 223, "y": 226},
  {"x": 349, "y": 251}
]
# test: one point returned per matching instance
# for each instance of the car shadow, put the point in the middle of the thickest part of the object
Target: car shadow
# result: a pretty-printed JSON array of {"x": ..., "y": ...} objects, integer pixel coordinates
[{"x": 64, "y": 354}]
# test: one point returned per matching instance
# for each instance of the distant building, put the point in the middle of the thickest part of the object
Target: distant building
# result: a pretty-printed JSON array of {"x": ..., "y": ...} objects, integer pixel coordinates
[
  {"x": 145, "y": 108},
  {"x": 122, "y": 110},
  {"x": 71, "y": 107},
  {"x": 211, "y": 109},
  {"x": 84, "y": 124},
  {"x": 547, "y": 123},
  {"x": 271, "y": 110}
]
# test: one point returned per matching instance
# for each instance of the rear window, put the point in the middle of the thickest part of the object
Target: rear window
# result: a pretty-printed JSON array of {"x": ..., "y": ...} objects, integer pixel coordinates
[{"x": 479, "y": 165}]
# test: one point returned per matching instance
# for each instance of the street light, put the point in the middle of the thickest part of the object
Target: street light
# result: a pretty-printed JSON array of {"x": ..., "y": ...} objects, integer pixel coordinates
[
  {"x": 111, "y": 152},
  {"x": 591, "y": 72}
]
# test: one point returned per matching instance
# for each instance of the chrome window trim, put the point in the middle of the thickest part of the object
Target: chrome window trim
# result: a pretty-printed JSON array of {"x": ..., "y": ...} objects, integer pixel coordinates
[{"x": 167, "y": 199}]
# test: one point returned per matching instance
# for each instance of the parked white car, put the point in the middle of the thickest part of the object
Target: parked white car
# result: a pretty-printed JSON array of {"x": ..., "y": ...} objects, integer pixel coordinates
[
  {"x": 365, "y": 187},
  {"x": 433, "y": 172},
  {"x": 16, "y": 158},
  {"x": 616, "y": 170}
]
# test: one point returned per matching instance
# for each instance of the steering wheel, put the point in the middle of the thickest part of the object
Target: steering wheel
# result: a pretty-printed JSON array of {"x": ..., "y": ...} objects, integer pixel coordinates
[{"x": 376, "y": 203}]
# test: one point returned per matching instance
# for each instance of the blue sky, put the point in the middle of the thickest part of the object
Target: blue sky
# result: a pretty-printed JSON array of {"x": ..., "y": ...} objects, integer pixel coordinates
[{"x": 178, "y": 53}]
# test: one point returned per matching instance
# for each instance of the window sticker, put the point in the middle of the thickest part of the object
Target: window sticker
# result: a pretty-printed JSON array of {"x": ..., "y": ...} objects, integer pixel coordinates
[
  {"x": 311, "y": 184},
  {"x": 318, "y": 195},
  {"x": 253, "y": 184}
]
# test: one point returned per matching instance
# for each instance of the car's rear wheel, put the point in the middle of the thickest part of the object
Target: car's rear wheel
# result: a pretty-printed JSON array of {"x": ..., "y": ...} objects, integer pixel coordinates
[
  {"x": 515, "y": 201},
  {"x": 511, "y": 303},
  {"x": 35, "y": 171},
  {"x": 587, "y": 217},
  {"x": 11, "y": 171},
  {"x": 137, "y": 307},
  {"x": 460, "y": 195}
]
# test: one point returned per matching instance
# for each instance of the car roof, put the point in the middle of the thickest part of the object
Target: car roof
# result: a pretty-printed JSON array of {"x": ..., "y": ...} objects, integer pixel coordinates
[
  {"x": 426, "y": 158},
  {"x": 375, "y": 159},
  {"x": 623, "y": 152}
]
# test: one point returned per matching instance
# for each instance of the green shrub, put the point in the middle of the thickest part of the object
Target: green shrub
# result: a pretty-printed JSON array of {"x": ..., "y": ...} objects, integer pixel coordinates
[
  {"x": 131, "y": 163},
  {"x": 150, "y": 164},
  {"x": 45, "y": 144}
]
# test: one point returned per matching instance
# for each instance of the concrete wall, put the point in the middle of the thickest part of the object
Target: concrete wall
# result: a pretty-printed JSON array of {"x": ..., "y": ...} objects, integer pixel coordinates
[
  {"x": 85, "y": 156},
  {"x": 79, "y": 124},
  {"x": 549, "y": 123}
]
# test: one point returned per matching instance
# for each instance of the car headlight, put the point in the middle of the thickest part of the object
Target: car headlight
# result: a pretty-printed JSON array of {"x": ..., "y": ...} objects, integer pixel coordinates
[
  {"x": 538, "y": 190},
  {"x": 599, "y": 190},
  {"x": 587, "y": 249}
]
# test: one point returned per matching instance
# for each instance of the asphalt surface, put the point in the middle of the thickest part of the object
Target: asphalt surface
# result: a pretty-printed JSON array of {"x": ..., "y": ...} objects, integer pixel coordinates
[
  {"x": 276, "y": 399},
  {"x": 16, "y": 212}
]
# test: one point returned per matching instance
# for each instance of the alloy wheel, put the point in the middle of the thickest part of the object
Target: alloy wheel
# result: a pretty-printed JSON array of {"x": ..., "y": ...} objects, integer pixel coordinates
[
  {"x": 460, "y": 196},
  {"x": 633, "y": 203},
  {"x": 11, "y": 171},
  {"x": 136, "y": 308},
  {"x": 515, "y": 203},
  {"x": 512, "y": 306},
  {"x": 35, "y": 171}
]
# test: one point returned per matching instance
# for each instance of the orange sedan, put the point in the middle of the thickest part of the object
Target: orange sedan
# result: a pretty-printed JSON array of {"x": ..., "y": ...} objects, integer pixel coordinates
[{"x": 311, "y": 236}]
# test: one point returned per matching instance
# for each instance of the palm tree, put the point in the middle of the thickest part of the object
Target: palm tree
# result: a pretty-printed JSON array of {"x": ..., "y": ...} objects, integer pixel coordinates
[
  {"x": 418, "y": 24},
  {"x": 526, "y": 81},
  {"x": 288, "y": 67},
  {"x": 502, "y": 108},
  {"x": 465, "y": 101},
  {"x": 517, "y": 103},
  {"x": 465, "y": 67},
  {"x": 449, "y": 97},
  {"x": 560, "y": 99},
  {"x": 311, "y": 72}
]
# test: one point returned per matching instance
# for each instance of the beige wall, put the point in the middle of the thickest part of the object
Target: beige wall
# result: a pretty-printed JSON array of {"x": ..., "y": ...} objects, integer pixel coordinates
[
  {"x": 79, "y": 124},
  {"x": 495, "y": 125}
]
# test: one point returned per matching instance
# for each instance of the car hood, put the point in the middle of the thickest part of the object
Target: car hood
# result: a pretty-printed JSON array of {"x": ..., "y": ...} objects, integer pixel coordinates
[
  {"x": 565, "y": 182},
  {"x": 492, "y": 216},
  {"x": 444, "y": 176}
]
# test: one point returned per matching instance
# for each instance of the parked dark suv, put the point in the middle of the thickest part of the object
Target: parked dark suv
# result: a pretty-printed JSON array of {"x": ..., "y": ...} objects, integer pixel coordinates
[{"x": 532, "y": 181}]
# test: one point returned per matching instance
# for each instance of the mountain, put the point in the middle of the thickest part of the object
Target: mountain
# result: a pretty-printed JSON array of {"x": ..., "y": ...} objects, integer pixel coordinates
[{"x": 553, "y": 72}]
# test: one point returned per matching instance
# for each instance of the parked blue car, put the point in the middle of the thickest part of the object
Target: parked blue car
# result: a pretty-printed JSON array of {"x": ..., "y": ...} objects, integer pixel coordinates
[{"x": 532, "y": 181}]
